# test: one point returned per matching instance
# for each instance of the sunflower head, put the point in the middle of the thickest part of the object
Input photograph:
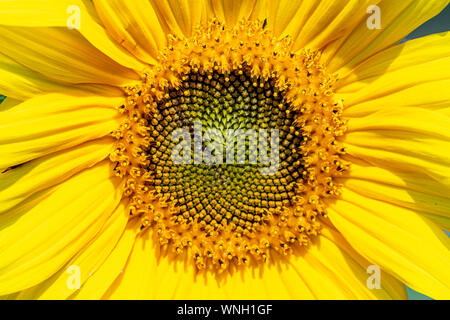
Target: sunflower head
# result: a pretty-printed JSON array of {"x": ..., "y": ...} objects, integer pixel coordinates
[{"x": 202, "y": 149}]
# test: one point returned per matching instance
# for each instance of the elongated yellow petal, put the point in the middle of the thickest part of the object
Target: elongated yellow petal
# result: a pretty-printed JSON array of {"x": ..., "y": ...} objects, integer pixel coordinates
[
  {"x": 315, "y": 24},
  {"x": 19, "y": 183},
  {"x": 409, "y": 54},
  {"x": 441, "y": 221},
  {"x": 319, "y": 276},
  {"x": 18, "y": 82},
  {"x": 286, "y": 17},
  {"x": 12, "y": 296},
  {"x": 50, "y": 13},
  {"x": 398, "y": 240},
  {"x": 98, "y": 284},
  {"x": 88, "y": 260},
  {"x": 332, "y": 256},
  {"x": 139, "y": 277},
  {"x": 430, "y": 95},
  {"x": 178, "y": 17},
  {"x": 152, "y": 273},
  {"x": 9, "y": 103},
  {"x": 232, "y": 11},
  {"x": 395, "y": 161},
  {"x": 411, "y": 75},
  {"x": 413, "y": 190},
  {"x": 329, "y": 21},
  {"x": 436, "y": 208},
  {"x": 44, "y": 237},
  {"x": 397, "y": 80},
  {"x": 53, "y": 122},
  {"x": 398, "y": 19},
  {"x": 67, "y": 57},
  {"x": 35, "y": 13},
  {"x": 390, "y": 287},
  {"x": 21, "y": 83},
  {"x": 396, "y": 120},
  {"x": 134, "y": 25},
  {"x": 417, "y": 141}
]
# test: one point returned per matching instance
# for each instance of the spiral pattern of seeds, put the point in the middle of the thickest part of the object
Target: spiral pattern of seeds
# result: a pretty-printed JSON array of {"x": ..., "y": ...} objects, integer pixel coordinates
[{"x": 225, "y": 193}]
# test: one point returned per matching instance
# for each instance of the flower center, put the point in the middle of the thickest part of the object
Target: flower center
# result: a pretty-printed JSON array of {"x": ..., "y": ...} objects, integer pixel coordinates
[
  {"x": 242, "y": 173},
  {"x": 228, "y": 147}
]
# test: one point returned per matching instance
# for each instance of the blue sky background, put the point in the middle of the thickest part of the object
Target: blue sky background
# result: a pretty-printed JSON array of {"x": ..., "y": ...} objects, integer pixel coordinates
[{"x": 440, "y": 23}]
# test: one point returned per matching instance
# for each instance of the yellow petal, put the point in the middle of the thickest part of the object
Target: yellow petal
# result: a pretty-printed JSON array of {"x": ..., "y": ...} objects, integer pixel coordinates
[
  {"x": 286, "y": 17},
  {"x": 315, "y": 24},
  {"x": 152, "y": 273},
  {"x": 88, "y": 260},
  {"x": 390, "y": 287},
  {"x": 96, "y": 285},
  {"x": 327, "y": 21},
  {"x": 19, "y": 183},
  {"x": 32, "y": 13},
  {"x": 18, "y": 82},
  {"x": 38, "y": 241},
  {"x": 398, "y": 19},
  {"x": 134, "y": 25},
  {"x": 397, "y": 80},
  {"x": 21, "y": 83},
  {"x": 282, "y": 13},
  {"x": 400, "y": 161},
  {"x": 433, "y": 207},
  {"x": 334, "y": 257},
  {"x": 232, "y": 11},
  {"x": 411, "y": 75},
  {"x": 416, "y": 141},
  {"x": 411, "y": 190},
  {"x": 9, "y": 103},
  {"x": 50, "y": 13},
  {"x": 409, "y": 54},
  {"x": 442, "y": 222},
  {"x": 12, "y": 296},
  {"x": 398, "y": 240},
  {"x": 396, "y": 120},
  {"x": 430, "y": 95},
  {"x": 67, "y": 57},
  {"x": 54, "y": 122},
  {"x": 179, "y": 17}
]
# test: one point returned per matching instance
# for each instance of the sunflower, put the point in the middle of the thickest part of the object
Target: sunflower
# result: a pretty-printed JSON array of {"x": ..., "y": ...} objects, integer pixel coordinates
[{"x": 93, "y": 204}]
